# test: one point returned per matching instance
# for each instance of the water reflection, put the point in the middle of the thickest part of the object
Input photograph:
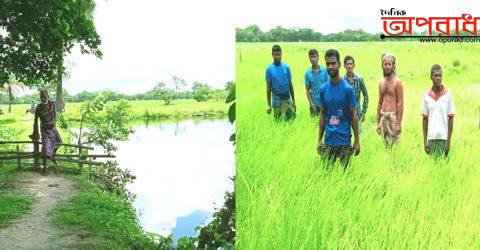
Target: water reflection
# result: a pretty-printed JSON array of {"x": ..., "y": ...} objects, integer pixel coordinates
[
  {"x": 186, "y": 225},
  {"x": 182, "y": 170}
]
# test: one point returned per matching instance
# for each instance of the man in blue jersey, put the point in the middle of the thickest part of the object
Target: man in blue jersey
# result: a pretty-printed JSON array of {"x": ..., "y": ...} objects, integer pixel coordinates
[
  {"x": 280, "y": 94},
  {"x": 337, "y": 115},
  {"x": 314, "y": 78}
]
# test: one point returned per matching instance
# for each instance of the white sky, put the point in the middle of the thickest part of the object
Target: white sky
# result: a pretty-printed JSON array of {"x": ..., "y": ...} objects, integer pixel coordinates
[
  {"x": 334, "y": 16},
  {"x": 146, "y": 41}
]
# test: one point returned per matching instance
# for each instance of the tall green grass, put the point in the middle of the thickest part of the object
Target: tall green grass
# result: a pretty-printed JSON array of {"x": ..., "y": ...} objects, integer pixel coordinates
[{"x": 399, "y": 198}]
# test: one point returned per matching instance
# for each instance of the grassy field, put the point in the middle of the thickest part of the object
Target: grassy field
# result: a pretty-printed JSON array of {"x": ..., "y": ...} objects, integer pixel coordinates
[
  {"x": 151, "y": 109},
  {"x": 398, "y": 198}
]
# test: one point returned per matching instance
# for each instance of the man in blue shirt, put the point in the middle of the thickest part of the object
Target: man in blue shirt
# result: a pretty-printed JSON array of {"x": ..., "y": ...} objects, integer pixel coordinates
[
  {"x": 338, "y": 113},
  {"x": 314, "y": 78},
  {"x": 280, "y": 93}
]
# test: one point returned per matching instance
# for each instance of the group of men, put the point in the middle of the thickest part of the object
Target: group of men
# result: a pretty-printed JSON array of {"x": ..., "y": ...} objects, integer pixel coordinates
[{"x": 337, "y": 99}]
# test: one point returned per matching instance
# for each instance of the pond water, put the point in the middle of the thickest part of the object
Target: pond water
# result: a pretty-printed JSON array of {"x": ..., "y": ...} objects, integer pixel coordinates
[{"x": 183, "y": 170}]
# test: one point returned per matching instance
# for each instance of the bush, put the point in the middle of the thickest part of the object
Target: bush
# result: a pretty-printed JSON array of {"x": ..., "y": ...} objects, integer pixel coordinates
[
  {"x": 456, "y": 62},
  {"x": 202, "y": 92}
]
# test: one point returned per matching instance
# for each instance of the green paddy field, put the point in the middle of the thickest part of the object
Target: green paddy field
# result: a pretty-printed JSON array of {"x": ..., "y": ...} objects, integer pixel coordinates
[{"x": 398, "y": 198}]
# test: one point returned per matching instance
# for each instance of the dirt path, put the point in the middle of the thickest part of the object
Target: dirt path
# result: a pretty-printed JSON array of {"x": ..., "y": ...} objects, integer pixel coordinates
[{"x": 35, "y": 230}]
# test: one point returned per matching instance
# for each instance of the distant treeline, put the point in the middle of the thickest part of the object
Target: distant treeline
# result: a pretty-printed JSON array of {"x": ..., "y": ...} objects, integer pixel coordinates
[
  {"x": 84, "y": 95},
  {"x": 202, "y": 94},
  {"x": 253, "y": 33}
]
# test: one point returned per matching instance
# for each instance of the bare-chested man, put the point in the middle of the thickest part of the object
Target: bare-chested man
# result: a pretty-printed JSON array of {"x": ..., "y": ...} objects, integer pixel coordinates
[{"x": 390, "y": 102}]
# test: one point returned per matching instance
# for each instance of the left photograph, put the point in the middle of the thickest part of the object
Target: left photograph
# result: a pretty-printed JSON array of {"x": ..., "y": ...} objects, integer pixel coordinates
[{"x": 113, "y": 133}]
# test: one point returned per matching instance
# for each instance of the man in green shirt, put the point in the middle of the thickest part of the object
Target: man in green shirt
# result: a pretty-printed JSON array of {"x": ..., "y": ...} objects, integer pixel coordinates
[{"x": 359, "y": 88}]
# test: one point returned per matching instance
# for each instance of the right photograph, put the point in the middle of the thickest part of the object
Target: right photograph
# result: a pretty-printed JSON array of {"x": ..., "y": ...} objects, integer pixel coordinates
[{"x": 359, "y": 137}]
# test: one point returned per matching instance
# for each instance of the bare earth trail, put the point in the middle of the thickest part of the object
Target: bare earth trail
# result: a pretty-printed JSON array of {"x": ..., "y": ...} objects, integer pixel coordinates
[{"x": 35, "y": 230}]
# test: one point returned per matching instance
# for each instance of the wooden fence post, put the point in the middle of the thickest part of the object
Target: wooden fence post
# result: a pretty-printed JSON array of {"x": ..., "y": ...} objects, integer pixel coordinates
[
  {"x": 80, "y": 165},
  {"x": 19, "y": 164}
]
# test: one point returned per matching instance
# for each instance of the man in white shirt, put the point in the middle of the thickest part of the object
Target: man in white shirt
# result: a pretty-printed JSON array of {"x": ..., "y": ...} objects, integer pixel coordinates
[{"x": 438, "y": 112}]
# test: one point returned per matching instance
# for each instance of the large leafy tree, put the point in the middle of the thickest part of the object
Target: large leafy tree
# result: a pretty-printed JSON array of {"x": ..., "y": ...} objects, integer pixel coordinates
[{"x": 35, "y": 36}]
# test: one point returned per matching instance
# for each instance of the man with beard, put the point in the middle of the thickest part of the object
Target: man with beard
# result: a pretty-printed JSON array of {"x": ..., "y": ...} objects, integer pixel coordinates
[
  {"x": 45, "y": 111},
  {"x": 390, "y": 102},
  {"x": 438, "y": 112},
  {"x": 280, "y": 93},
  {"x": 337, "y": 115},
  {"x": 359, "y": 88},
  {"x": 314, "y": 78}
]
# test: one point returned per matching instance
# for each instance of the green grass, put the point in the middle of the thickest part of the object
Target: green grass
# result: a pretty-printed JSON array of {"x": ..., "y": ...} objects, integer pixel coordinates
[
  {"x": 399, "y": 198},
  {"x": 12, "y": 206},
  {"x": 21, "y": 124},
  {"x": 112, "y": 222},
  {"x": 13, "y": 203},
  {"x": 179, "y": 109}
]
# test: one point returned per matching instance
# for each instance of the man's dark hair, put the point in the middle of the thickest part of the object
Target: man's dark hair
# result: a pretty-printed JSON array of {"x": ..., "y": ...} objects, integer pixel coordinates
[
  {"x": 332, "y": 52},
  {"x": 347, "y": 58},
  {"x": 276, "y": 48},
  {"x": 42, "y": 92},
  {"x": 435, "y": 67},
  {"x": 312, "y": 52}
]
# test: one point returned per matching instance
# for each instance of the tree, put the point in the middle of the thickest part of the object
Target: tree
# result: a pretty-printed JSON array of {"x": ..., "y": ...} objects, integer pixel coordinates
[
  {"x": 250, "y": 34},
  {"x": 201, "y": 91},
  {"x": 12, "y": 90},
  {"x": 220, "y": 232},
  {"x": 163, "y": 92},
  {"x": 38, "y": 34},
  {"x": 101, "y": 123},
  {"x": 178, "y": 83},
  {"x": 229, "y": 86},
  {"x": 219, "y": 94}
]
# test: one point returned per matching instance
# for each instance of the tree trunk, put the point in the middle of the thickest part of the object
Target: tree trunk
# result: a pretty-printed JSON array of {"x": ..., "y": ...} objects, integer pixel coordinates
[
  {"x": 10, "y": 98},
  {"x": 58, "y": 103}
]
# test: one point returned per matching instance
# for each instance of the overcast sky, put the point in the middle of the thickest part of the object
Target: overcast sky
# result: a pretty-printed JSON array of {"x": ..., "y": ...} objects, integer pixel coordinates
[
  {"x": 147, "y": 41},
  {"x": 334, "y": 16}
]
